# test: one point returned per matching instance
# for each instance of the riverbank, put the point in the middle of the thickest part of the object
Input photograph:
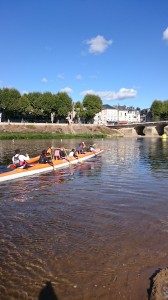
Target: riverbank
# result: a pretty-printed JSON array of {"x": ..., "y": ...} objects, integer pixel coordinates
[{"x": 7, "y": 129}]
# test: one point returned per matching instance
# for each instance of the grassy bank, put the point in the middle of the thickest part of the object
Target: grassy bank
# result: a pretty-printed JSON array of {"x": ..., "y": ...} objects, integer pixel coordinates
[{"x": 17, "y": 136}]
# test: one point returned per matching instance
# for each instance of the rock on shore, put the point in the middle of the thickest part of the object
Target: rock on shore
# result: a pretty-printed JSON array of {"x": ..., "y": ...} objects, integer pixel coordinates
[{"x": 159, "y": 285}]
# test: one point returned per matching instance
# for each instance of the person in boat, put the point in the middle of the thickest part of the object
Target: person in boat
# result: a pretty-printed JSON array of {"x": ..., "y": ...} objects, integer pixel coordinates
[
  {"x": 20, "y": 160},
  {"x": 44, "y": 159},
  {"x": 63, "y": 153},
  {"x": 73, "y": 153},
  {"x": 49, "y": 151},
  {"x": 81, "y": 148},
  {"x": 60, "y": 153},
  {"x": 91, "y": 148}
]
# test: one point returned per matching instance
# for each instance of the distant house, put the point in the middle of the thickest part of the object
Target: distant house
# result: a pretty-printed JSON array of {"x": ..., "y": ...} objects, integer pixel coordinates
[
  {"x": 108, "y": 115},
  {"x": 145, "y": 115},
  {"x": 117, "y": 114}
]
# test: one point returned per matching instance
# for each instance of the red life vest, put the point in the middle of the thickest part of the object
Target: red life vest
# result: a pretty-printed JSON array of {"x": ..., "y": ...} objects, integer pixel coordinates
[{"x": 17, "y": 162}]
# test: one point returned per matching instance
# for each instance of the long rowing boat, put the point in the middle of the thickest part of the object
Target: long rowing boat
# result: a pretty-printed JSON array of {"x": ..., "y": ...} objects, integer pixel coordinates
[{"x": 41, "y": 168}]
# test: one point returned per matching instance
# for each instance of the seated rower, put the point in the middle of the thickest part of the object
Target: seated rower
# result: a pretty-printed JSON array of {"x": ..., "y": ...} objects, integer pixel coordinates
[
  {"x": 60, "y": 153},
  {"x": 81, "y": 148},
  {"x": 44, "y": 159},
  {"x": 20, "y": 160},
  {"x": 91, "y": 148},
  {"x": 49, "y": 150},
  {"x": 73, "y": 153}
]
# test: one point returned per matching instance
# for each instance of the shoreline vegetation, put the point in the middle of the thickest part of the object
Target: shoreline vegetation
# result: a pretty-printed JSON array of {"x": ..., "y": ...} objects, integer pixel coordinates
[{"x": 15, "y": 136}]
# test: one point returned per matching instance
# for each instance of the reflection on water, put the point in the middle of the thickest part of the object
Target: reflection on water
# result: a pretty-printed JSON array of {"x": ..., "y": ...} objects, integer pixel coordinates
[
  {"x": 156, "y": 156},
  {"x": 96, "y": 230}
]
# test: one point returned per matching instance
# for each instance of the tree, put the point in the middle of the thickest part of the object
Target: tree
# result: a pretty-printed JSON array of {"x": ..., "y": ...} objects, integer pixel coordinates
[
  {"x": 62, "y": 105},
  {"x": 92, "y": 105},
  {"x": 23, "y": 106},
  {"x": 164, "y": 114},
  {"x": 156, "y": 109},
  {"x": 78, "y": 107},
  {"x": 45, "y": 103},
  {"x": 34, "y": 100},
  {"x": 8, "y": 101}
]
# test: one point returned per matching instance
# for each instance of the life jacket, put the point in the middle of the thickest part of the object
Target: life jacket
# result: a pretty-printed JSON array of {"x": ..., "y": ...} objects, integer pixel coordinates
[
  {"x": 91, "y": 149},
  {"x": 62, "y": 153},
  {"x": 57, "y": 154},
  {"x": 42, "y": 159},
  {"x": 17, "y": 162}
]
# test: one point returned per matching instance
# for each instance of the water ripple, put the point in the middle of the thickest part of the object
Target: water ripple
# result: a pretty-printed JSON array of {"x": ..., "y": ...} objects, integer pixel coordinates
[{"x": 92, "y": 230}]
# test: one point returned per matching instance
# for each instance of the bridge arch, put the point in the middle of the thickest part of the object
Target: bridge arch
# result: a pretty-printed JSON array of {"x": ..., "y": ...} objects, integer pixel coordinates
[
  {"x": 140, "y": 130},
  {"x": 160, "y": 128},
  {"x": 144, "y": 129}
]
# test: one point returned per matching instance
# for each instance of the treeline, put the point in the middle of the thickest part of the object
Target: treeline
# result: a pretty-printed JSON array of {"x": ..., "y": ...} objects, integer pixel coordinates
[
  {"x": 159, "y": 110},
  {"x": 46, "y": 107},
  {"x": 58, "y": 108}
]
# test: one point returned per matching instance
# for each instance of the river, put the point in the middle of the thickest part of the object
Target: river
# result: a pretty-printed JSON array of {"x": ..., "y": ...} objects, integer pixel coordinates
[{"x": 96, "y": 230}]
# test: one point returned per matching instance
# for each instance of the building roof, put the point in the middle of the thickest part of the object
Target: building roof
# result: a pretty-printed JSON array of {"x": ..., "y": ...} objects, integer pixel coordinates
[{"x": 107, "y": 106}]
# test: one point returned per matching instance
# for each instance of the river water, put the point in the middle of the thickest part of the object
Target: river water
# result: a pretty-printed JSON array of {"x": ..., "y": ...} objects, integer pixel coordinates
[{"x": 97, "y": 230}]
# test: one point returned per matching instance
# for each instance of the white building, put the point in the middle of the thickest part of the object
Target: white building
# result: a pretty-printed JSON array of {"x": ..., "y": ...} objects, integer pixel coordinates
[{"x": 112, "y": 114}]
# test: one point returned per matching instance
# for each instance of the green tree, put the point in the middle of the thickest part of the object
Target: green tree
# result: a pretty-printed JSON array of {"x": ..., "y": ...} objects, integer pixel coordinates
[
  {"x": 92, "y": 105},
  {"x": 8, "y": 101},
  {"x": 78, "y": 108},
  {"x": 23, "y": 106},
  {"x": 44, "y": 103},
  {"x": 62, "y": 105},
  {"x": 156, "y": 109},
  {"x": 164, "y": 113},
  {"x": 34, "y": 100}
]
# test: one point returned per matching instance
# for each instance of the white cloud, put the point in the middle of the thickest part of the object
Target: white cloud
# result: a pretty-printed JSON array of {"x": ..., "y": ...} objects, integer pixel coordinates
[
  {"x": 67, "y": 90},
  {"x": 165, "y": 34},
  {"x": 60, "y": 75},
  {"x": 24, "y": 92},
  {"x": 123, "y": 93},
  {"x": 45, "y": 80},
  {"x": 78, "y": 77},
  {"x": 98, "y": 44}
]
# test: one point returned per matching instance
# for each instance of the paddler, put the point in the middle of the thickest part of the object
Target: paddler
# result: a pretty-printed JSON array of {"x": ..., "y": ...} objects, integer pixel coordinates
[
  {"x": 20, "y": 160},
  {"x": 44, "y": 159}
]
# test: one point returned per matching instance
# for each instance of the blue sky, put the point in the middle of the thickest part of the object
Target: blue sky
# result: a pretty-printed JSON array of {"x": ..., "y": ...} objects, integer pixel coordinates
[{"x": 116, "y": 49}]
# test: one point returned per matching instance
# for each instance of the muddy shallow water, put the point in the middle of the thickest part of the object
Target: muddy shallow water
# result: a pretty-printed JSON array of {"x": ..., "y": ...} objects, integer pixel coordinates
[{"x": 97, "y": 230}]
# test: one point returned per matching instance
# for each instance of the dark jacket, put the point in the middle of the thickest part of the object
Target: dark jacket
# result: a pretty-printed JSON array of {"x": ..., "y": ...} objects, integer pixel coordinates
[{"x": 44, "y": 159}]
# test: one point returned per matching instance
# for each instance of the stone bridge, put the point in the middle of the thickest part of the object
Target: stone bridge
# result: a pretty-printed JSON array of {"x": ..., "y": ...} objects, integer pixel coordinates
[{"x": 143, "y": 128}]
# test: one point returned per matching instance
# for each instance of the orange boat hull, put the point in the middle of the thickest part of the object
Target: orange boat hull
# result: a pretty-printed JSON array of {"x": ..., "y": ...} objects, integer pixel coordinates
[{"x": 40, "y": 168}]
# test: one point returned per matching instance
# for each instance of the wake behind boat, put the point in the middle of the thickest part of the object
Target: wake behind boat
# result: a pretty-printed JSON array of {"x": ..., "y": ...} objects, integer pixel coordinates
[{"x": 38, "y": 168}]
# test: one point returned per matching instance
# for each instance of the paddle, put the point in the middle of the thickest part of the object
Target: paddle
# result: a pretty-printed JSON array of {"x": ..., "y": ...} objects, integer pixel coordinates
[
  {"x": 66, "y": 157},
  {"x": 52, "y": 165}
]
